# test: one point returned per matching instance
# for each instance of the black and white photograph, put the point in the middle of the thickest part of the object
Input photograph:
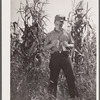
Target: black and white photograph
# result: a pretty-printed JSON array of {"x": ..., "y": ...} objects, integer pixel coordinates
[{"x": 53, "y": 50}]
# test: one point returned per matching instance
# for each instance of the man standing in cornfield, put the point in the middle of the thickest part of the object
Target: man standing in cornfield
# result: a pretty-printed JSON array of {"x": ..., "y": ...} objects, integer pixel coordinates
[{"x": 60, "y": 43}]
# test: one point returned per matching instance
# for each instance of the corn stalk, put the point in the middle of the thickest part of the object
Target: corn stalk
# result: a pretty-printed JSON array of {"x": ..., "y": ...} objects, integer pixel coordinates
[
  {"x": 26, "y": 55},
  {"x": 80, "y": 24},
  {"x": 82, "y": 33},
  {"x": 33, "y": 17}
]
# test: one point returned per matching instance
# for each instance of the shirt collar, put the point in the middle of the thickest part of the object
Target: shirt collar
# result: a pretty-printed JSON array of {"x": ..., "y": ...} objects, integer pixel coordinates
[{"x": 58, "y": 31}]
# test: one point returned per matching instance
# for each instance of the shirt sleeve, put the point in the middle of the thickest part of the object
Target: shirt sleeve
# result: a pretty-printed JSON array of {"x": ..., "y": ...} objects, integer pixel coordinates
[
  {"x": 47, "y": 39},
  {"x": 71, "y": 41}
]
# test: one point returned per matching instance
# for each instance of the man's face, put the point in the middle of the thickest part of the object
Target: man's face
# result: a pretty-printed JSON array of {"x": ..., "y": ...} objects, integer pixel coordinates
[
  {"x": 58, "y": 25},
  {"x": 68, "y": 27}
]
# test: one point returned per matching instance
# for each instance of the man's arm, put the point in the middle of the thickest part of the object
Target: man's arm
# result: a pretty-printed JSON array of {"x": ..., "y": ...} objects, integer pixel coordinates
[
  {"x": 47, "y": 42},
  {"x": 68, "y": 45},
  {"x": 49, "y": 46},
  {"x": 52, "y": 44}
]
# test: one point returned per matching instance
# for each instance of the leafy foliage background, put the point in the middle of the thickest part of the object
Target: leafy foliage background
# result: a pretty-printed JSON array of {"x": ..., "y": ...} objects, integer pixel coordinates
[{"x": 30, "y": 77}]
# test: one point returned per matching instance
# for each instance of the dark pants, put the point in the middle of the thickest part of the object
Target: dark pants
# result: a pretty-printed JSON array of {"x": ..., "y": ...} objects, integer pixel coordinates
[{"x": 60, "y": 61}]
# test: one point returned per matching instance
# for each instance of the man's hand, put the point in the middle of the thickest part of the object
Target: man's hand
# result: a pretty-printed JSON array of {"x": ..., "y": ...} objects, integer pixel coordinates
[
  {"x": 55, "y": 43},
  {"x": 65, "y": 44},
  {"x": 52, "y": 44}
]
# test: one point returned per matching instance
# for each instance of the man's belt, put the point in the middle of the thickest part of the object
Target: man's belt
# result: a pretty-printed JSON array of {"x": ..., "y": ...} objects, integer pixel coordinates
[{"x": 61, "y": 52}]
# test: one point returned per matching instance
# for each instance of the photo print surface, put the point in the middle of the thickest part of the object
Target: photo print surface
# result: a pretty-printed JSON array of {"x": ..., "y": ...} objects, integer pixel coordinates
[{"x": 53, "y": 49}]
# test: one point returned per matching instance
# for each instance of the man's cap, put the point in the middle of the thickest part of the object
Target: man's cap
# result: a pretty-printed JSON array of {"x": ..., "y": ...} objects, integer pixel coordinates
[{"x": 60, "y": 18}]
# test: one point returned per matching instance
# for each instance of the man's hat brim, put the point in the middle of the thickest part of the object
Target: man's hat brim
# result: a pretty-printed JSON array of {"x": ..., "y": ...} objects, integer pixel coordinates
[{"x": 60, "y": 18}]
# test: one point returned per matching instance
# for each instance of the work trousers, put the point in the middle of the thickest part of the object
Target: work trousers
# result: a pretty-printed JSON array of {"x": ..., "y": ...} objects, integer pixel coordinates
[{"x": 60, "y": 61}]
